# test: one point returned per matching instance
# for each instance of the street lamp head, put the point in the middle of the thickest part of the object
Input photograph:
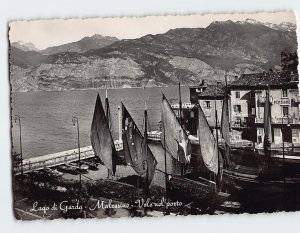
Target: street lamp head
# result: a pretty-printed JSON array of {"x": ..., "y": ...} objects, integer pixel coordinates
[
  {"x": 74, "y": 120},
  {"x": 16, "y": 117}
]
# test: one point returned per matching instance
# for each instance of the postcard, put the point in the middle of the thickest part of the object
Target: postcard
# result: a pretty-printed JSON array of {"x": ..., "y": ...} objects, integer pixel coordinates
[{"x": 154, "y": 116}]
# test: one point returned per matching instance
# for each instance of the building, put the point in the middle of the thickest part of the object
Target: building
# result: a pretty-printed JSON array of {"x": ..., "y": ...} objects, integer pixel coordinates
[
  {"x": 210, "y": 98},
  {"x": 247, "y": 99},
  {"x": 247, "y": 106}
]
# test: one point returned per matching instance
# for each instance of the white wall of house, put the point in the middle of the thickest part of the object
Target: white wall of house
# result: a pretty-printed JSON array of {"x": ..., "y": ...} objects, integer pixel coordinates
[
  {"x": 208, "y": 107},
  {"x": 238, "y": 103},
  {"x": 280, "y": 105}
]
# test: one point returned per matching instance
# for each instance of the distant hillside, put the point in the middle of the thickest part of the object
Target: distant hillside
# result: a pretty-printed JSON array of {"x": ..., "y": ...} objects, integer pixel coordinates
[
  {"x": 24, "y": 59},
  {"x": 188, "y": 55},
  {"x": 81, "y": 46},
  {"x": 24, "y": 46}
]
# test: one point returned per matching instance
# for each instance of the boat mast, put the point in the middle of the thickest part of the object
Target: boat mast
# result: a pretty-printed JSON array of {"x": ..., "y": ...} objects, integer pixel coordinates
[
  {"x": 181, "y": 121},
  {"x": 146, "y": 146},
  {"x": 217, "y": 136},
  {"x": 107, "y": 117},
  {"x": 267, "y": 127},
  {"x": 180, "y": 108},
  {"x": 227, "y": 99},
  {"x": 165, "y": 155},
  {"x": 227, "y": 146}
]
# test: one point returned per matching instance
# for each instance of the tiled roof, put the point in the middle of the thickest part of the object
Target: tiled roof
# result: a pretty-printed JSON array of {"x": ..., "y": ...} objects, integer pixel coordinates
[
  {"x": 213, "y": 90},
  {"x": 263, "y": 79}
]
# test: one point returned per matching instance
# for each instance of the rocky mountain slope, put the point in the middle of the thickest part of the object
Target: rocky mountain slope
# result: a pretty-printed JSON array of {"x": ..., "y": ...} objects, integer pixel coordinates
[
  {"x": 25, "y": 59},
  {"x": 81, "y": 46},
  {"x": 188, "y": 55}
]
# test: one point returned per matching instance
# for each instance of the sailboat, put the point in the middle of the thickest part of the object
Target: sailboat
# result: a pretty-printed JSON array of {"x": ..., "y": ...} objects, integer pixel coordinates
[
  {"x": 225, "y": 126},
  {"x": 268, "y": 174},
  {"x": 190, "y": 187},
  {"x": 101, "y": 137},
  {"x": 137, "y": 152},
  {"x": 233, "y": 174}
]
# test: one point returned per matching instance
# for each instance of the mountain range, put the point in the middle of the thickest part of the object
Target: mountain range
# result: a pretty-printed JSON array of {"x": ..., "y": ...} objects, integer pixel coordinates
[{"x": 189, "y": 55}]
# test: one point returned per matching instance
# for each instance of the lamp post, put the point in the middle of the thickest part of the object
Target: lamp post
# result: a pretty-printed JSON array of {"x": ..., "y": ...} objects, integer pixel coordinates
[
  {"x": 18, "y": 118},
  {"x": 75, "y": 122}
]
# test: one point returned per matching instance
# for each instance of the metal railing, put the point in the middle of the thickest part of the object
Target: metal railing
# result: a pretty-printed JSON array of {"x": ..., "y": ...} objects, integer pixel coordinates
[
  {"x": 52, "y": 160},
  {"x": 279, "y": 120}
]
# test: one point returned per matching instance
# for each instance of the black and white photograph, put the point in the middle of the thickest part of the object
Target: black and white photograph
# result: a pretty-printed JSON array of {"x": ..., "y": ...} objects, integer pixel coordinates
[{"x": 153, "y": 116}]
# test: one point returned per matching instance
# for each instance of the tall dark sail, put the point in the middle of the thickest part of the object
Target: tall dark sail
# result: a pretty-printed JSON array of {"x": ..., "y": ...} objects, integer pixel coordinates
[
  {"x": 225, "y": 121},
  {"x": 267, "y": 124},
  {"x": 101, "y": 138},
  {"x": 176, "y": 140},
  {"x": 225, "y": 128},
  {"x": 208, "y": 144},
  {"x": 107, "y": 112},
  {"x": 137, "y": 152}
]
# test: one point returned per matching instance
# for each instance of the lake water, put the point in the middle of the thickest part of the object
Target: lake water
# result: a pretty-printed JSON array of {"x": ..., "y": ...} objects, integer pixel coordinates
[{"x": 47, "y": 116}]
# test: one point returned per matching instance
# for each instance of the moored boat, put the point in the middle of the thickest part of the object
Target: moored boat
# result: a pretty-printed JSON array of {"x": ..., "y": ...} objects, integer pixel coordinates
[
  {"x": 192, "y": 186},
  {"x": 53, "y": 172},
  {"x": 92, "y": 165},
  {"x": 82, "y": 167},
  {"x": 270, "y": 172},
  {"x": 137, "y": 152},
  {"x": 68, "y": 169}
]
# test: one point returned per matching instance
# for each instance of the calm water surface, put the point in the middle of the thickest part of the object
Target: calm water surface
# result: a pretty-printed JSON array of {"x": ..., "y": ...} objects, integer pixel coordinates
[
  {"x": 47, "y": 116},
  {"x": 47, "y": 120}
]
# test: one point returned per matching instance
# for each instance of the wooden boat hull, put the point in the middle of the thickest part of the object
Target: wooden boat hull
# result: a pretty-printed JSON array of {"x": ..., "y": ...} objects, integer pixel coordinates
[
  {"x": 92, "y": 166},
  {"x": 256, "y": 195},
  {"x": 68, "y": 169},
  {"x": 200, "y": 194},
  {"x": 243, "y": 181},
  {"x": 290, "y": 158}
]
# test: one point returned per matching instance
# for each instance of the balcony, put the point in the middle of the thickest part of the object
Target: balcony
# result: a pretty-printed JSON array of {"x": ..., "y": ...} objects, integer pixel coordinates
[
  {"x": 239, "y": 122},
  {"x": 262, "y": 99},
  {"x": 283, "y": 101},
  {"x": 279, "y": 120},
  {"x": 280, "y": 101},
  {"x": 184, "y": 106}
]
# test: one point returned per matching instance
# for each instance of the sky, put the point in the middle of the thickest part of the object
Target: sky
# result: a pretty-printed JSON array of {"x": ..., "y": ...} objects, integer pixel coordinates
[{"x": 52, "y": 32}]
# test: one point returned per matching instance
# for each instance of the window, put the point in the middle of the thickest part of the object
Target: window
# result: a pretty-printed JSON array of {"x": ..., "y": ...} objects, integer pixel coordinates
[
  {"x": 253, "y": 111},
  {"x": 277, "y": 132},
  {"x": 237, "y": 108},
  {"x": 285, "y": 111},
  {"x": 237, "y": 94},
  {"x": 207, "y": 104},
  {"x": 284, "y": 93},
  {"x": 259, "y": 139},
  {"x": 295, "y": 133}
]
